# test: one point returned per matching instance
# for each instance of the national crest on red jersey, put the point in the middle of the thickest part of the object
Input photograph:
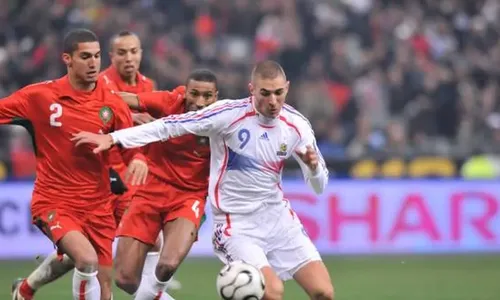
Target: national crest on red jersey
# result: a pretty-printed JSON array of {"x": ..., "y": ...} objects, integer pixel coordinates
[{"x": 105, "y": 114}]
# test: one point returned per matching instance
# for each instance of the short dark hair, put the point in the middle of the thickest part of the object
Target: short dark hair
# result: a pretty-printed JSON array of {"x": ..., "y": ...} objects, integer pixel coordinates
[
  {"x": 124, "y": 33},
  {"x": 203, "y": 75},
  {"x": 77, "y": 36},
  {"x": 268, "y": 69},
  {"x": 120, "y": 34}
]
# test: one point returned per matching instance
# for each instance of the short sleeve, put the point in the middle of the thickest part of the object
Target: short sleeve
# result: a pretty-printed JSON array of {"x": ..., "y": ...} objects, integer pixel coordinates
[
  {"x": 16, "y": 106},
  {"x": 160, "y": 103}
]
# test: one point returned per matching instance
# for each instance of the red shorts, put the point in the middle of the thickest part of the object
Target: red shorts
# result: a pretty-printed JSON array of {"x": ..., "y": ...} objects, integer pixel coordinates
[
  {"x": 157, "y": 203},
  {"x": 122, "y": 202},
  {"x": 99, "y": 230}
]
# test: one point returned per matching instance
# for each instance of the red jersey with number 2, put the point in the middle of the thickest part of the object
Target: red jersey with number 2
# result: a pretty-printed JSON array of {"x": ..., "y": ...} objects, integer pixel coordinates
[{"x": 69, "y": 177}]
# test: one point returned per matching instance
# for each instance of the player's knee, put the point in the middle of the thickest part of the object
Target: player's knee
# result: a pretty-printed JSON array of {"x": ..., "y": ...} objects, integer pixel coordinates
[
  {"x": 167, "y": 266},
  {"x": 274, "y": 290},
  {"x": 127, "y": 282},
  {"x": 324, "y": 293},
  {"x": 87, "y": 263}
]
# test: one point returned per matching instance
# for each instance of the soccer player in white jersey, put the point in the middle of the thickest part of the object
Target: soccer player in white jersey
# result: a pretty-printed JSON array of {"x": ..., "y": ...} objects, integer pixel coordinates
[{"x": 249, "y": 141}]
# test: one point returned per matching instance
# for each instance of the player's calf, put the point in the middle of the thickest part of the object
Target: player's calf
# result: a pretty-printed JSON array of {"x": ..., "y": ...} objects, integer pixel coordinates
[
  {"x": 326, "y": 294},
  {"x": 129, "y": 262},
  {"x": 51, "y": 268},
  {"x": 274, "y": 286},
  {"x": 105, "y": 278},
  {"x": 313, "y": 277},
  {"x": 151, "y": 262},
  {"x": 179, "y": 236}
]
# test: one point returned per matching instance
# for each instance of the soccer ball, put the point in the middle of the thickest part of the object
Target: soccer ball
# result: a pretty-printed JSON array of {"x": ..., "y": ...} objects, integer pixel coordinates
[{"x": 240, "y": 281}]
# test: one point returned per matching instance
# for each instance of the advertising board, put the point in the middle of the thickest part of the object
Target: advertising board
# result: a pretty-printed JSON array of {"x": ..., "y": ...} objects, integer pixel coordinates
[{"x": 350, "y": 217}]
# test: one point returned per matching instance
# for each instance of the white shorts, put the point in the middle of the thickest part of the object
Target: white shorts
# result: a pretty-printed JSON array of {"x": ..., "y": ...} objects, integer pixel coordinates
[{"x": 272, "y": 236}]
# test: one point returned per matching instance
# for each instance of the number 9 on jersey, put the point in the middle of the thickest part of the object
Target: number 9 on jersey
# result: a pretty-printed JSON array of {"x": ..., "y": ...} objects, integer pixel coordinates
[{"x": 243, "y": 137}]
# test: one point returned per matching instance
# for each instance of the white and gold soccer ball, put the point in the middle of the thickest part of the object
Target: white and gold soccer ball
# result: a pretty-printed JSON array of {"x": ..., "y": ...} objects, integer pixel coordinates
[{"x": 240, "y": 281}]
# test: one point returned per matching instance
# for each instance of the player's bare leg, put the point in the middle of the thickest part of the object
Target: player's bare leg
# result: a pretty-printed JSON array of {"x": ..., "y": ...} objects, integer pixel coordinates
[
  {"x": 52, "y": 267},
  {"x": 315, "y": 280},
  {"x": 105, "y": 277},
  {"x": 274, "y": 286},
  {"x": 178, "y": 236},
  {"x": 152, "y": 261},
  {"x": 129, "y": 263},
  {"x": 81, "y": 251}
]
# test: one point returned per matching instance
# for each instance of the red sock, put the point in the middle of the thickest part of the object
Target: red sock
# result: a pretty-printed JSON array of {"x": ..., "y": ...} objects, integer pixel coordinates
[{"x": 26, "y": 291}]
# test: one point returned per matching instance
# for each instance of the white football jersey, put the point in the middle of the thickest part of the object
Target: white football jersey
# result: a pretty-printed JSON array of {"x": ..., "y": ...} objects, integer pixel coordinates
[{"x": 248, "y": 150}]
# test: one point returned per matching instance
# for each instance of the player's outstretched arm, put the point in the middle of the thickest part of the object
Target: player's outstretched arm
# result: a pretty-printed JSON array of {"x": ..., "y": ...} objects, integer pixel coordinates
[
  {"x": 155, "y": 104},
  {"x": 158, "y": 103},
  {"x": 206, "y": 122}
]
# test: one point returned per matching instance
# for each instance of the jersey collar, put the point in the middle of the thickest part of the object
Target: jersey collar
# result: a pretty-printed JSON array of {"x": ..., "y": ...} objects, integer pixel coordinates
[
  {"x": 68, "y": 91},
  {"x": 263, "y": 120},
  {"x": 139, "y": 78}
]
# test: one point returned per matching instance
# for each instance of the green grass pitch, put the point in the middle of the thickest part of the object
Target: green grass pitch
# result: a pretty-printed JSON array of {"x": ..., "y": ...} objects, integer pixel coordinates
[{"x": 468, "y": 277}]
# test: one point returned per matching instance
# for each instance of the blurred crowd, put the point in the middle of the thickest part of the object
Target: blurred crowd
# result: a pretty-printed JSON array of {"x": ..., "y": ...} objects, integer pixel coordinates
[{"x": 375, "y": 77}]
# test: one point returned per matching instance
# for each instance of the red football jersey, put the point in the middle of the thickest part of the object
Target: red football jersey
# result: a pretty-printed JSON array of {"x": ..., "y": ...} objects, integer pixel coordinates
[
  {"x": 143, "y": 84},
  {"x": 183, "y": 161},
  {"x": 68, "y": 176}
]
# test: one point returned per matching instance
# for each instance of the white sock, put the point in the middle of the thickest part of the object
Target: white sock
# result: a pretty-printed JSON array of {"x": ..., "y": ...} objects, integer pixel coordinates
[
  {"x": 151, "y": 288},
  {"x": 86, "y": 286},
  {"x": 49, "y": 270},
  {"x": 150, "y": 264}
]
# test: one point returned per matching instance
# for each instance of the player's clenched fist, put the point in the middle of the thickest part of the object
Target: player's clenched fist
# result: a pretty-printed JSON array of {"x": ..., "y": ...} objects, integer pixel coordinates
[
  {"x": 102, "y": 141},
  {"x": 137, "y": 172},
  {"x": 310, "y": 158}
]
